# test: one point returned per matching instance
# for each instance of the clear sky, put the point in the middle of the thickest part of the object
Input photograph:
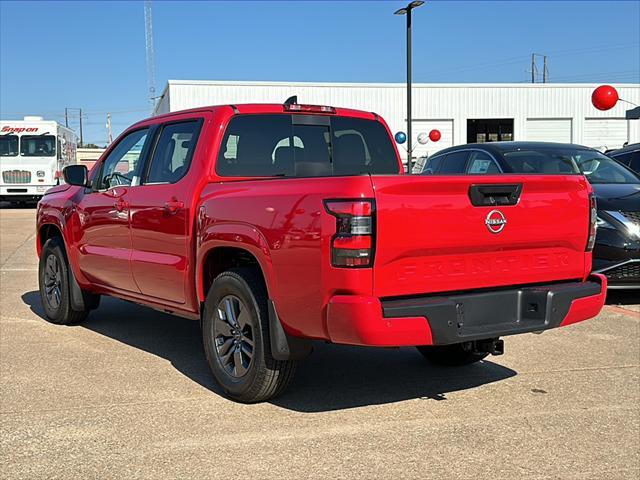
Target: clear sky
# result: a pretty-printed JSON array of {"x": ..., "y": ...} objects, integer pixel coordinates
[{"x": 92, "y": 54}]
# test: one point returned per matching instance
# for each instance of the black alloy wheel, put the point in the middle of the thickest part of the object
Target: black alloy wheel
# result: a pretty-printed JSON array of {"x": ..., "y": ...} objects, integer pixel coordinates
[{"x": 234, "y": 338}]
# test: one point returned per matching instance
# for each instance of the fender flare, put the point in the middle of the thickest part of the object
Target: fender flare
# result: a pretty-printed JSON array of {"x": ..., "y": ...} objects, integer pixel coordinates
[
  {"x": 235, "y": 235},
  {"x": 55, "y": 218},
  {"x": 250, "y": 239}
]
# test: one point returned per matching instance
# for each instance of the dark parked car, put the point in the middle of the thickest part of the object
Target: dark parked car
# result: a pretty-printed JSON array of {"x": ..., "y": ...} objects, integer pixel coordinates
[
  {"x": 629, "y": 155},
  {"x": 617, "y": 189}
]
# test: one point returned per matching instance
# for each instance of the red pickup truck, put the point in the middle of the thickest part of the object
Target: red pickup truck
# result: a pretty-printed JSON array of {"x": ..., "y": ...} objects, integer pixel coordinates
[{"x": 275, "y": 225}]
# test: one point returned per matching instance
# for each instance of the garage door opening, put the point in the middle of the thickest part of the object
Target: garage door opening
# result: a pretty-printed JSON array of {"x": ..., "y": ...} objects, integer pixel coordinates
[{"x": 489, "y": 130}]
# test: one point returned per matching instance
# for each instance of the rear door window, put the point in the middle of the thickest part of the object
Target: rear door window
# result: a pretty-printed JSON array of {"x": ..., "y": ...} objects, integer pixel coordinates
[
  {"x": 173, "y": 152},
  {"x": 305, "y": 146},
  {"x": 432, "y": 165},
  {"x": 453, "y": 163}
]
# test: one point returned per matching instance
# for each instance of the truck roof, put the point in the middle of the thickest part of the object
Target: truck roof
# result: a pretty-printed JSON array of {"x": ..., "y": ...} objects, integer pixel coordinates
[{"x": 265, "y": 108}]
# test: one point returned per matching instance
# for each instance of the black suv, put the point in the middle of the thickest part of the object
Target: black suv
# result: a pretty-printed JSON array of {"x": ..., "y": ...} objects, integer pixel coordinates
[
  {"x": 617, "y": 188},
  {"x": 629, "y": 156}
]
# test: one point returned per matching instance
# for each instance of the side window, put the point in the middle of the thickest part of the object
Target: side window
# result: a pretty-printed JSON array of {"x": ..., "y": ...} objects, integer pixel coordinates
[
  {"x": 432, "y": 165},
  {"x": 627, "y": 158},
  {"x": 635, "y": 161},
  {"x": 480, "y": 163},
  {"x": 453, "y": 163},
  {"x": 623, "y": 158},
  {"x": 122, "y": 166},
  {"x": 249, "y": 146},
  {"x": 173, "y": 152}
]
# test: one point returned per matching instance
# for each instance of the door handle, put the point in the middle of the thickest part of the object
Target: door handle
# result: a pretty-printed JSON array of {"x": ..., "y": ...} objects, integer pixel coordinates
[
  {"x": 121, "y": 205},
  {"x": 172, "y": 206}
]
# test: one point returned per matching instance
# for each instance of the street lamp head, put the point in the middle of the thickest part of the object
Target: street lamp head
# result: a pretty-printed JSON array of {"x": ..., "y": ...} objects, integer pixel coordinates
[{"x": 411, "y": 6}]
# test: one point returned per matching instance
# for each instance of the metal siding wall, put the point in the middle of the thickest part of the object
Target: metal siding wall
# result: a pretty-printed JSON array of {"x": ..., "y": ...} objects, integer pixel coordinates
[
  {"x": 549, "y": 130},
  {"x": 456, "y": 101},
  {"x": 605, "y": 133}
]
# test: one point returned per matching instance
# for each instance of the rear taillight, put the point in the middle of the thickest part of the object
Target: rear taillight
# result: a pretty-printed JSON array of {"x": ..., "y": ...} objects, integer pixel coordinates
[
  {"x": 593, "y": 219},
  {"x": 353, "y": 243}
]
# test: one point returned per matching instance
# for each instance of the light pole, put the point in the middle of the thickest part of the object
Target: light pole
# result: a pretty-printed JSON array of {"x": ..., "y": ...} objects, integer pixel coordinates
[{"x": 407, "y": 11}]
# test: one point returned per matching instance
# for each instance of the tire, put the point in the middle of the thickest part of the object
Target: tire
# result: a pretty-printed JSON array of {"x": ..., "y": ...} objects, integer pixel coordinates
[
  {"x": 239, "y": 350},
  {"x": 53, "y": 279},
  {"x": 455, "y": 355}
]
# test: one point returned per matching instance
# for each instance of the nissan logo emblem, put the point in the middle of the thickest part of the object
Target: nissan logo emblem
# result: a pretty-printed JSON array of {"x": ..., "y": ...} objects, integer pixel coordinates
[{"x": 495, "y": 221}]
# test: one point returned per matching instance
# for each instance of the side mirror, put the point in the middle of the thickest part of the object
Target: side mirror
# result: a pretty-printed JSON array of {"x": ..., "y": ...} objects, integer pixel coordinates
[{"x": 76, "y": 175}]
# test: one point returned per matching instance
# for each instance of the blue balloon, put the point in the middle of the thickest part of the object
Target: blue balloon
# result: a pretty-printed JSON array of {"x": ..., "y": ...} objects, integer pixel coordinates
[{"x": 401, "y": 137}]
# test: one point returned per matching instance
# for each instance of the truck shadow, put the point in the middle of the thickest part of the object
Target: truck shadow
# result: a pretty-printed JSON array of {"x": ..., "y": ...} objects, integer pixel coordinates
[
  {"x": 623, "y": 297},
  {"x": 334, "y": 377}
]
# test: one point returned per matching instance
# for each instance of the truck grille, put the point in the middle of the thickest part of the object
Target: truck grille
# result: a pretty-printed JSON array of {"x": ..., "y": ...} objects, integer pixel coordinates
[
  {"x": 633, "y": 217},
  {"x": 627, "y": 272},
  {"x": 16, "y": 176}
]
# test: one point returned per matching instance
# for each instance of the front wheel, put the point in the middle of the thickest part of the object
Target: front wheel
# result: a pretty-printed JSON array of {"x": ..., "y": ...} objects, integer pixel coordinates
[
  {"x": 235, "y": 329},
  {"x": 53, "y": 279},
  {"x": 454, "y": 355}
]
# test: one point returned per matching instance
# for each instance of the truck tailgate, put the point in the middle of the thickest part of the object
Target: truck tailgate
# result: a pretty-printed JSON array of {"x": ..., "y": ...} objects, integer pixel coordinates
[{"x": 432, "y": 238}]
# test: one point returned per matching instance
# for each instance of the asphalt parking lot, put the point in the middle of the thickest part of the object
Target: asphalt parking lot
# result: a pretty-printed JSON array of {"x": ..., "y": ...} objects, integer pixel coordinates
[{"x": 128, "y": 395}]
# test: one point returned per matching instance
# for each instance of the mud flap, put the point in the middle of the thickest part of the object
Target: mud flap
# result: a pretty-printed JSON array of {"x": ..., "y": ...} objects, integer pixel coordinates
[
  {"x": 283, "y": 346},
  {"x": 81, "y": 300}
]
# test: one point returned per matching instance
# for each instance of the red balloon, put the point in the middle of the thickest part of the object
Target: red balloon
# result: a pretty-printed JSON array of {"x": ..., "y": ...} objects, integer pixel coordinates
[
  {"x": 435, "y": 135},
  {"x": 604, "y": 97}
]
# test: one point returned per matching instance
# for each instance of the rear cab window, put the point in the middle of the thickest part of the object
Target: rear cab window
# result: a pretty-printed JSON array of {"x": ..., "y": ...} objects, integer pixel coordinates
[{"x": 285, "y": 145}]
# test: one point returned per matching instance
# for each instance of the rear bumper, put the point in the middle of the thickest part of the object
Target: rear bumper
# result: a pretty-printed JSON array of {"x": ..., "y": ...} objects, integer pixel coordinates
[{"x": 443, "y": 320}]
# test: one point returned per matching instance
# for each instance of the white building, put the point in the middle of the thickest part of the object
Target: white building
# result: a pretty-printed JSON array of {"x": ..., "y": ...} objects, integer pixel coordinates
[
  {"x": 89, "y": 156},
  {"x": 463, "y": 113}
]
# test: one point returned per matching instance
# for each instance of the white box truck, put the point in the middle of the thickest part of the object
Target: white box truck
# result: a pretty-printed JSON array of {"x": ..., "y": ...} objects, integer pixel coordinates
[{"x": 33, "y": 152}]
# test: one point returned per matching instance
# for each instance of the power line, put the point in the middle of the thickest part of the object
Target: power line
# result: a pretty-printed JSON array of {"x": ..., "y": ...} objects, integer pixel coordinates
[{"x": 520, "y": 58}]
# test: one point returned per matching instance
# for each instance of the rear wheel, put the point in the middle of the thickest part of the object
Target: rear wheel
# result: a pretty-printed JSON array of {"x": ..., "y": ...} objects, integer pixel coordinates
[
  {"x": 454, "y": 355},
  {"x": 235, "y": 329},
  {"x": 53, "y": 277}
]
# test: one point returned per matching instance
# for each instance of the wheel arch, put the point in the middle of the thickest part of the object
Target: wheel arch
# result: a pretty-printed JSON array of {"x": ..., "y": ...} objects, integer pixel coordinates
[
  {"x": 47, "y": 231},
  {"x": 228, "y": 246}
]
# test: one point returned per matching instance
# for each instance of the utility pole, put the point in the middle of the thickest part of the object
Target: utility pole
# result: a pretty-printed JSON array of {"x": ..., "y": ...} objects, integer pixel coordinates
[
  {"x": 533, "y": 68},
  {"x": 109, "y": 128},
  {"x": 80, "y": 127},
  {"x": 150, "y": 55},
  {"x": 66, "y": 117},
  {"x": 110, "y": 138}
]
